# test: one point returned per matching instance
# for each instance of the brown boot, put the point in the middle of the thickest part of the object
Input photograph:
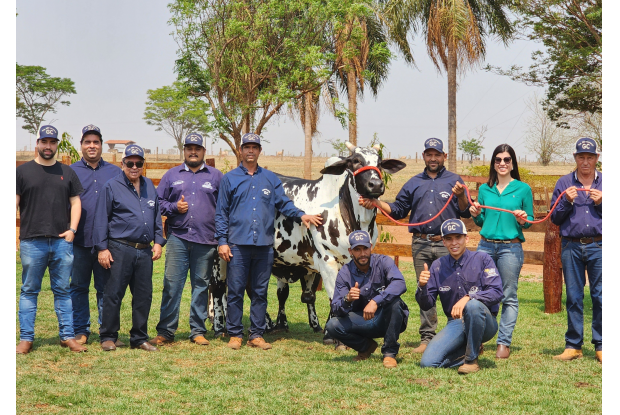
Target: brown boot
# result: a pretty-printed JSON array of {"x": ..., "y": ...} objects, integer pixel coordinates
[
  {"x": 599, "y": 356},
  {"x": 569, "y": 354},
  {"x": 201, "y": 340},
  {"x": 24, "y": 347},
  {"x": 420, "y": 348},
  {"x": 260, "y": 343},
  {"x": 341, "y": 347},
  {"x": 389, "y": 362},
  {"x": 73, "y": 345},
  {"x": 81, "y": 338},
  {"x": 365, "y": 355},
  {"x": 235, "y": 343},
  {"x": 160, "y": 340},
  {"x": 119, "y": 343},
  {"x": 503, "y": 351},
  {"x": 108, "y": 346},
  {"x": 471, "y": 367}
]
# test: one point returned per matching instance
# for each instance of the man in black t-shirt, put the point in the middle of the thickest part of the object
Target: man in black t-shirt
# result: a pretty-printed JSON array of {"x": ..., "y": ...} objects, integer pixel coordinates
[{"x": 48, "y": 199}]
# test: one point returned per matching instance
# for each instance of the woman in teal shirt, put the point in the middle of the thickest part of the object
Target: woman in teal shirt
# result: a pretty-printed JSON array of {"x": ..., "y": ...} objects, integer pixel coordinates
[{"x": 501, "y": 234}]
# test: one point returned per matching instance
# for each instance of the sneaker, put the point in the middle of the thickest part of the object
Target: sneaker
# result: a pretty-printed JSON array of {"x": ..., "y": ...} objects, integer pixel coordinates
[
  {"x": 365, "y": 355},
  {"x": 235, "y": 343},
  {"x": 569, "y": 354},
  {"x": 389, "y": 362},
  {"x": 260, "y": 343},
  {"x": 471, "y": 367}
]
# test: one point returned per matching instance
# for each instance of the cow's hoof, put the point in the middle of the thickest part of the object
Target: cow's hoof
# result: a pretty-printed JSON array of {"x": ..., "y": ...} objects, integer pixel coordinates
[
  {"x": 328, "y": 341},
  {"x": 277, "y": 330},
  {"x": 318, "y": 329},
  {"x": 220, "y": 335}
]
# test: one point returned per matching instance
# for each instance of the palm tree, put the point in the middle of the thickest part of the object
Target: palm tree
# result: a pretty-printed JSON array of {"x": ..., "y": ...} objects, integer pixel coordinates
[{"x": 455, "y": 32}]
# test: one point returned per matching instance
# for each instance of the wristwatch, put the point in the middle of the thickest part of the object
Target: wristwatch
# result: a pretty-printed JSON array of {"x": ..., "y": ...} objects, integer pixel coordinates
[{"x": 73, "y": 230}]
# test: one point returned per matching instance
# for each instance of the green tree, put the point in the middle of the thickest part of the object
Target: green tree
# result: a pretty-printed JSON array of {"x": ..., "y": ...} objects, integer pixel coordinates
[
  {"x": 65, "y": 146},
  {"x": 471, "y": 147},
  {"x": 339, "y": 146},
  {"x": 455, "y": 33},
  {"x": 38, "y": 94},
  {"x": 173, "y": 111}
]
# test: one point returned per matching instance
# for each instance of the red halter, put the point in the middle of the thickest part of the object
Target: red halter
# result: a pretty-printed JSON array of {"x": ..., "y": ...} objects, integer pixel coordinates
[{"x": 363, "y": 169}]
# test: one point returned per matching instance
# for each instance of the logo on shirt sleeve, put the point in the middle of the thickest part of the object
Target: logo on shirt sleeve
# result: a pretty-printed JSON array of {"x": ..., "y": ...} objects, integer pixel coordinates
[
  {"x": 267, "y": 192},
  {"x": 445, "y": 288},
  {"x": 491, "y": 272},
  {"x": 178, "y": 182},
  {"x": 207, "y": 185}
]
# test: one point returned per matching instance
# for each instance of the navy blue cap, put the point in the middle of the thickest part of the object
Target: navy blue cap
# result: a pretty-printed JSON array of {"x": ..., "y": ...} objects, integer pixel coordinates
[
  {"x": 194, "y": 138},
  {"x": 250, "y": 138},
  {"x": 133, "y": 150},
  {"x": 359, "y": 238},
  {"x": 48, "y": 131},
  {"x": 93, "y": 129},
  {"x": 585, "y": 145},
  {"x": 453, "y": 226},
  {"x": 433, "y": 143}
]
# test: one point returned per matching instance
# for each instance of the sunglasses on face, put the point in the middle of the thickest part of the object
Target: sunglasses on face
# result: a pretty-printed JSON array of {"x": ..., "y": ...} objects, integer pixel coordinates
[
  {"x": 138, "y": 164},
  {"x": 507, "y": 160}
]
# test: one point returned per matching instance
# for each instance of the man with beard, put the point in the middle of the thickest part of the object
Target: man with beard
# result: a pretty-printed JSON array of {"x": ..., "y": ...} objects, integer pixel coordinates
[
  {"x": 367, "y": 302},
  {"x": 49, "y": 204},
  {"x": 93, "y": 173},
  {"x": 424, "y": 195},
  {"x": 187, "y": 197}
]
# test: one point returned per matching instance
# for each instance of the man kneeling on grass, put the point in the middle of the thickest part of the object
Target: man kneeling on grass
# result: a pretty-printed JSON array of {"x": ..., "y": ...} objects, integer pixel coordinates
[
  {"x": 367, "y": 302},
  {"x": 470, "y": 289}
]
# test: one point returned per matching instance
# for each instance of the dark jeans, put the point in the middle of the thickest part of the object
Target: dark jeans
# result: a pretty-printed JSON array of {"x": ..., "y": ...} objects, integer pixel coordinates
[
  {"x": 460, "y": 340},
  {"x": 389, "y": 321},
  {"x": 253, "y": 262},
  {"x": 425, "y": 252},
  {"x": 85, "y": 264},
  {"x": 134, "y": 268},
  {"x": 183, "y": 256},
  {"x": 576, "y": 258}
]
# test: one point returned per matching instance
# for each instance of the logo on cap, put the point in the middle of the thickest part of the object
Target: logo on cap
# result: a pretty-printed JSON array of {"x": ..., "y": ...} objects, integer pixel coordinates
[
  {"x": 432, "y": 142},
  {"x": 585, "y": 145},
  {"x": 91, "y": 127},
  {"x": 134, "y": 150},
  {"x": 50, "y": 130},
  {"x": 193, "y": 138}
]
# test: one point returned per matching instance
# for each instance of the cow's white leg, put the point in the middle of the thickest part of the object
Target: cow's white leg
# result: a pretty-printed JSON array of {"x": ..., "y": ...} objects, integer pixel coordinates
[{"x": 329, "y": 271}]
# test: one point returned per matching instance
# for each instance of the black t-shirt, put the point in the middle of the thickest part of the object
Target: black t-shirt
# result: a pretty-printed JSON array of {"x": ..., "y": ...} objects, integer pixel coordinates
[{"x": 44, "y": 192}]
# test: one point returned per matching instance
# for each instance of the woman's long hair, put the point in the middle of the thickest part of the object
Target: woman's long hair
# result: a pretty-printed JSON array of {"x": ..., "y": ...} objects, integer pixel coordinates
[{"x": 514, "y": 173}]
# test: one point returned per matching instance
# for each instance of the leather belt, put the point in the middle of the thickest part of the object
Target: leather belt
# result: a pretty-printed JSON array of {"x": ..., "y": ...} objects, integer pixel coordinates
[
  {"x": 429, "y": 237},
  {"x": 132, "y": 244},
  {"x": 585, "y": 240},
  {"x": 502, "y": 241}
]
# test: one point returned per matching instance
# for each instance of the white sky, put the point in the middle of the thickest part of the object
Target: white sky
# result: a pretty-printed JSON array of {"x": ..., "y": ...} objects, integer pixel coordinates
[{"x": 115, "y": 50}]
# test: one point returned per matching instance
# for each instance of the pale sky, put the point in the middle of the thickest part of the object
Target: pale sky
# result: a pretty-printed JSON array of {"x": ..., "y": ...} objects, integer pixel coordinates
[{"x": 115, "y": 50}]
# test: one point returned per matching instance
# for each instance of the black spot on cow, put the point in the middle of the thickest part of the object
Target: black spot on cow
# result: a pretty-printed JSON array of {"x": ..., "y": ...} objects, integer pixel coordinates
[
  {"x": 305, "y": 248},
  {"x": 287, "y": 224},
  {"x": 332, "y": 230},
  {"x": 290, "y": 272},
  {"x": 325, "y": 258},
  {"x": 313, "y": 189},
  {"x": 286, "y": 244}
]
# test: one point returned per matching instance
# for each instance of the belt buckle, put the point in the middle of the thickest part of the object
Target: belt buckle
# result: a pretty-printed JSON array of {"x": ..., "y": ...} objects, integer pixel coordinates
[
  {"x": 429, "y": 236},
  {"x": 585, "y": 237},
  {"x": 506, "y": 241}
]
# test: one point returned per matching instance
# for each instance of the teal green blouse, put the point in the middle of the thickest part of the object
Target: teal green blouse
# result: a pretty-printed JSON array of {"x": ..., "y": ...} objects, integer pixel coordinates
[{"x": 502, "y": 225}]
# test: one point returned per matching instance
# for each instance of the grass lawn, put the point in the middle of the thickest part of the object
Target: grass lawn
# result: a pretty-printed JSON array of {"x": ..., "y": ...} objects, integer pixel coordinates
[{"x": 300, "y": 375}]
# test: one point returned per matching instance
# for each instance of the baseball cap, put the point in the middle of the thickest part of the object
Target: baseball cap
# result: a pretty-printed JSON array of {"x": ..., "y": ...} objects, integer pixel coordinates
[
  {"x": 194, "y": 138},
  {"x": 90, "y": 128},
  {"x": 133, "y": 150},
  {"x": 452, "y": 226},
  {"x": 250, "y": 138},
  {"x": 434, "y": 144},
  {"x": 359, "y": 238},
  {"x": 48, "y": 131},
  {"x": 585, "y": 145}
]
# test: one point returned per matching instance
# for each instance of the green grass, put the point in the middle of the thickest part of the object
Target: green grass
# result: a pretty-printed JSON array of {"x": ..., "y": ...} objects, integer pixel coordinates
[{"x": 300, "y": 375}]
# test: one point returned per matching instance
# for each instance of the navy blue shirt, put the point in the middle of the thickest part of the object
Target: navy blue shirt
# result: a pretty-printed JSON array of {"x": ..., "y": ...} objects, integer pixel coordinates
[
  {"x": 246, "y": 207},
  {"x": 122, "y": 214},
  {"x": 582, "y": 218},
  {"x": 200, "y": 191},
  {"x": 93, "y": 181},
  {"x": 424, "y": 197},
  {"x": 383, "y": 283},
  {"x": 473, "y": 274}
]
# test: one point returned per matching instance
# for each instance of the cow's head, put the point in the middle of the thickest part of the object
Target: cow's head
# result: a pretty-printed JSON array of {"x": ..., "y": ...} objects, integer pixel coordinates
[{"x": 368, "y": 183}]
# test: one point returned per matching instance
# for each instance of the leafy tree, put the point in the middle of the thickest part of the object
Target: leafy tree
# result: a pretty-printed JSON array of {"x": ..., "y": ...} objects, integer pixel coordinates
[
  {"x": 339, "y": 146},
  {"x": 571, "y": 32},
  {"x": 471, "y": 147},
  {"x": 65, "y": 146},
  {"x": 38, "y": 94},
  {"x": 173, "y": 111}
]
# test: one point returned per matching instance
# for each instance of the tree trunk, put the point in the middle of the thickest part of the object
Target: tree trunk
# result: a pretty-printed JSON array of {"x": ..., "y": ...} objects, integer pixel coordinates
[
  {"x": 180, "y": 147},
  {"x": 452, "y": 108},
  {"x": 352, "y": 88},
  {"x": 308, "y": 135}
]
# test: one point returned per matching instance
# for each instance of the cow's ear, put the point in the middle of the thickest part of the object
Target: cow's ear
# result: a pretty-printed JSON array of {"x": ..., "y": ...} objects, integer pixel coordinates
[
  {"x": 337, "y": 168},
  {"x": 392, "y": 166}
]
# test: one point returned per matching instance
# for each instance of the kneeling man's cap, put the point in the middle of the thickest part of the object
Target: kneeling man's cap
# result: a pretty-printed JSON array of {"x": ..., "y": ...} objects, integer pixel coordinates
[
  {"x": 48, "y": 131},
  {"x": 359, "y": 238},
  {"x": 250, "y": 138},
  {"x": 133, "y": 150},
  {"x": 453, "y": 226},
  {"x": 194, "y": 138},
  {"x": 585, "y": 145},
  {"x": 433, "y": 144}
]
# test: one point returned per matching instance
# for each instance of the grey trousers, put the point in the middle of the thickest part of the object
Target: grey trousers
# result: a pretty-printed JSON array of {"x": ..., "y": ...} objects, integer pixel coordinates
[{"x": 424, "y": 251}]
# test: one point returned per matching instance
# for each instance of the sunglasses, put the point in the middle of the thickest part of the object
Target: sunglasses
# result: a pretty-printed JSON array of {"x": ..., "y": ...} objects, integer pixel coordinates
[
  {"x": 507, "y": 160},
  {"x": 138, "y": 164}
]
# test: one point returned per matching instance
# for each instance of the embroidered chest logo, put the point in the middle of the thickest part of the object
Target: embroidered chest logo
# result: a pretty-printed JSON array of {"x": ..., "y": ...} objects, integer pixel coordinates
[
  {"x": 445, "y": 288},
  {"x": 473, "y": 290},
  {"x": 445, "y": 195},
  {"x": 207, "y": 185},
  {"x": 151, "y": 203},
  {"x": 178, "y": 182},
  {"x": 491, "y": 272},
  {"x": 267, "y": 192}
]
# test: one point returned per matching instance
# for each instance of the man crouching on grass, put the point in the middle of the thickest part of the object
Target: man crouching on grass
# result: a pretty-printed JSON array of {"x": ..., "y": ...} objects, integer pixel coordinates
[
  {"x": 470, "y": 289},
  {"x": 367, "y": 302}
]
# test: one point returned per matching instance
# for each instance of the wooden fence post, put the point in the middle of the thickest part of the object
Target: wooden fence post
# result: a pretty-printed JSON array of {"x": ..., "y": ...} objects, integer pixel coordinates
[
  {"x": 113, "y": 157},
  {"x": 552, "y": 269},
  {"x": 396, "y": 258},
  {"x": 66, "y": 160},
  {"x": 484, "y": 158},
  {"x": 157, "y": 154},
  {"x": 416, "y": 157}
]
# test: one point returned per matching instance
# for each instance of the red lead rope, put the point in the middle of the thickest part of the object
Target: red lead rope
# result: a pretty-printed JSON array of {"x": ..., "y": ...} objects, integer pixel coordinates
[{"x": 481, "y": 206}]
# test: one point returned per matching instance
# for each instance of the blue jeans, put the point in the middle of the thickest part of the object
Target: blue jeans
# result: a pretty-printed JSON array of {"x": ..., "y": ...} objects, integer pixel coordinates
[
  {"x": 576, "y": 258},
  {"x": 509, "y": 259},
  {"x": 460, "y": 340},
  {"x": 389, "y": 321},
  {"x": 36, "y": 255},
  {"x": 253, "y": 262},
  {"x": 181, "y": 256},
  {"x": 85, "y": 264}
]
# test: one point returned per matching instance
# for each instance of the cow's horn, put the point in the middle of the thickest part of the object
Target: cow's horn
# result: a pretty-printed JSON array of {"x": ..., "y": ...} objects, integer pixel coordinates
[
  {"x": 376, "y": 147},
  {"x": 350, "y": 146}
]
